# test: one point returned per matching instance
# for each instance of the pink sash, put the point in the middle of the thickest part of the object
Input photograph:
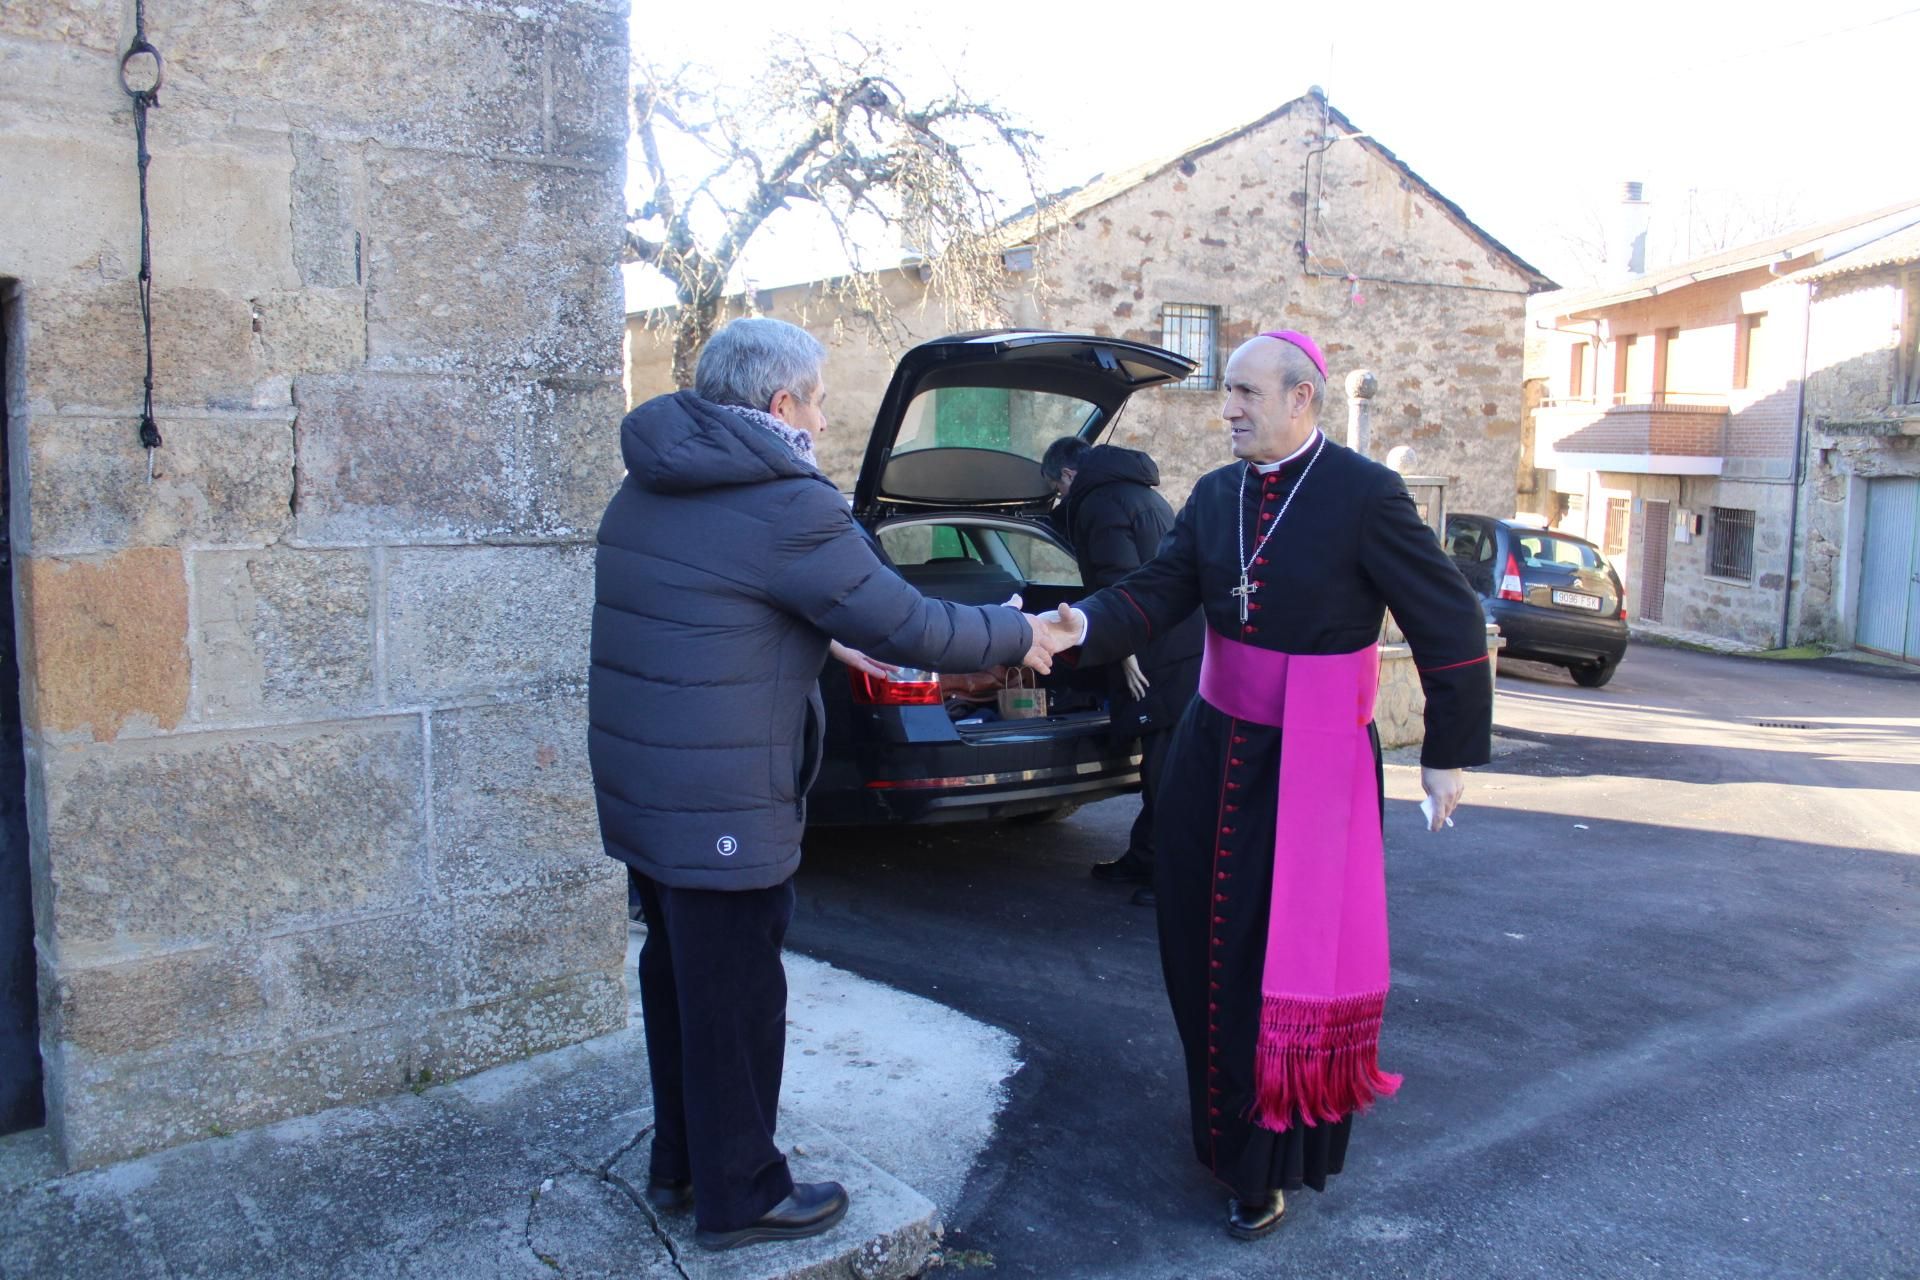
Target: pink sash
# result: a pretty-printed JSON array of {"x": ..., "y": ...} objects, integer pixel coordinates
[{"x": 1324, "y": 987}]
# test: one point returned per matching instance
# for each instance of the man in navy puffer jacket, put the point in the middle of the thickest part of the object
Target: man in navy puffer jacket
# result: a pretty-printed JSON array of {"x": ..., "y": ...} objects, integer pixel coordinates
[{"x": 727, "y": 565}]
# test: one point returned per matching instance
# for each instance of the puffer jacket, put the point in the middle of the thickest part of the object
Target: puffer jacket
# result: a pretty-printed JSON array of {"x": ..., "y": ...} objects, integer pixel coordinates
[
  {"x": 724, "y": 566},
  {"x": 1115, "y": 520}
]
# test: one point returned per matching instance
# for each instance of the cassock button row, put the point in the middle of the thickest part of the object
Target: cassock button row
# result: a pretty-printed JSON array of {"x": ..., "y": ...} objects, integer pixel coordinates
[
  {"x": 1233, "y": 808},
  {"x": 1239, "y": 738},
  {"x": 1249, "y": 629},
  {"x": 1233, "y": 786},
  {"x": 1253, "y": 604},
  {"x": 1236, "y": 762},
  {"x": 1259, "y": 559},
  {"x": 1219, "y": 897}
]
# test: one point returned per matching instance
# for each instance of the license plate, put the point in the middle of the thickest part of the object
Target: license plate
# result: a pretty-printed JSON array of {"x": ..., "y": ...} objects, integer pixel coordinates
[{"x": 1578, "y": 600}]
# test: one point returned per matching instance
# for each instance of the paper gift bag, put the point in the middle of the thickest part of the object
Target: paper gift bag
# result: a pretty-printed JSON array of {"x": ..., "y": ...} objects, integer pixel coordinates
[{"x": 1020, "y": 700}]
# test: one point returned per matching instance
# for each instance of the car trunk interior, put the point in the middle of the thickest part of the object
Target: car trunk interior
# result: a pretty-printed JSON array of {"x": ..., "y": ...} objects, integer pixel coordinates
[{"x": 973, "y": 704}]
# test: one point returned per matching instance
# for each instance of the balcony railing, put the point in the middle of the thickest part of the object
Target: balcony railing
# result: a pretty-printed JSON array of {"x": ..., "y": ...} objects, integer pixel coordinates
[
  {"x": 1657, "y": 433},
  {"x": 1621, "y": 399}
]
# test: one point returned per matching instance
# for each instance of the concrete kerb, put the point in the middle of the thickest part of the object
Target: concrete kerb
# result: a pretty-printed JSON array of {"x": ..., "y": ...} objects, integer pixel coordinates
[{"x": 534, "y": 1169}]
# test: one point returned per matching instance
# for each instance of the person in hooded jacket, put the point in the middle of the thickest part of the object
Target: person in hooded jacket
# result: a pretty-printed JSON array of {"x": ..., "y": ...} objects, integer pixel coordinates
[
  {"x": 1113, "y": 516},
  {"x": 728, "y": 569}
]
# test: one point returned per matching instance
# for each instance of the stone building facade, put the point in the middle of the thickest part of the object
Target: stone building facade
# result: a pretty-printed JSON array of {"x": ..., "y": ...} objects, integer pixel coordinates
[
  {"x": 1295, "y": 220},
  {"x": 303, "y": 714},
  {"x": 1716, "y": 427}
]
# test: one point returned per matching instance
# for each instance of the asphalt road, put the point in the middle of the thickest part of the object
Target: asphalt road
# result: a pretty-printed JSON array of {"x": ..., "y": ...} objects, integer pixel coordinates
[{"x": 1654, "y": 998}]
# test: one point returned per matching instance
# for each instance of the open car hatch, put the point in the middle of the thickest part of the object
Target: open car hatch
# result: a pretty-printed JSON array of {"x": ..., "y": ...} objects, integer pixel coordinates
[{"x": 966, "y": 418}]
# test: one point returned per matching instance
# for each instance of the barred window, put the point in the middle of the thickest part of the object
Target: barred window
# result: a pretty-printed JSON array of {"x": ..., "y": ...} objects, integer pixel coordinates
[
  {"x": 1193, "y": 331},
  {"x": 1730, "y": 549}
]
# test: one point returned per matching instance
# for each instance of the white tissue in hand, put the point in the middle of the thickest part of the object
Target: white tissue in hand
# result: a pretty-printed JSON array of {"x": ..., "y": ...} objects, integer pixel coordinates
[
  {"x": 1428, "y": 806},
  {"x": 1014, "y": 602}
]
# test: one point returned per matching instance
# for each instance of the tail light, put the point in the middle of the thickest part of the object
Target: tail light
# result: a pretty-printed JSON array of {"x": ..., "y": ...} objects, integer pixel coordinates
[
  {"x": 1510, "y": 581},
  {"x": 904, "y": 688},
  {"x": 1623, "y": 604}
]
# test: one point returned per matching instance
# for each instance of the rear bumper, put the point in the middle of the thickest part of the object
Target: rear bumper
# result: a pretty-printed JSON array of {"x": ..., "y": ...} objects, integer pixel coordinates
[
  {"x": 1004, "y": 774},
  {"x": 1548, "y": 635}
]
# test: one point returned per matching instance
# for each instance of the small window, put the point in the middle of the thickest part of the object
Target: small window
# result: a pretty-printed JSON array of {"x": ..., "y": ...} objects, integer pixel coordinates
[
  {"x": 1746, "y": 343},
  {"x": 1907, "y": 389},
  {"x": 1623, "y": 359},
  {"x": 1614, "y": 539},
  {"x": 1193, "y": 331},
  {"x": 1577, "y": 372},
  {"x": 1730, "y": 545}
]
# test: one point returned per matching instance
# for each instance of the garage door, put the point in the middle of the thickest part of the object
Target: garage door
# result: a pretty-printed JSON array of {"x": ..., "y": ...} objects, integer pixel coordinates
[{"x": 1889, "y": 618}]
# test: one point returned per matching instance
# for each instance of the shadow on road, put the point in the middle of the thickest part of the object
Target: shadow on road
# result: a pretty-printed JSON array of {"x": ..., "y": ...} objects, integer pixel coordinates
[{"x": 1627, "y": 1048}]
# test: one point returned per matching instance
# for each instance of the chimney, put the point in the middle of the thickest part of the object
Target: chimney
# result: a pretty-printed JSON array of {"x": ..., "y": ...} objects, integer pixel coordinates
[{"x": 1631, "y": 238}]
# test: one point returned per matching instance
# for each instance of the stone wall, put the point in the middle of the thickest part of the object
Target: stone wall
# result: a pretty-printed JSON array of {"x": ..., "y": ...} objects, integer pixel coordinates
[
  {"x": 1856, "y": 433},
  {"x": 305, "y": 716},
  {"x": 1220, "y": 230}
]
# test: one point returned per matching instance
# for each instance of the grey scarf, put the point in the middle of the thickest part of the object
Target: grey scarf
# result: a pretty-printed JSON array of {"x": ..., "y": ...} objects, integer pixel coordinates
[{"x": 793, "y": 437}]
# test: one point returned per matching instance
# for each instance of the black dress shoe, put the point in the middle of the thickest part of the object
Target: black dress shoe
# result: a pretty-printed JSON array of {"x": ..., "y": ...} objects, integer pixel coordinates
[
  {"x": 1143, "y": 897},
  {"x": 811, "y": 1209},
  {"x": 670, "y": 1195},
  {"x": 1255, "y": 1218},
  {"x": 1125, "y": 868}
]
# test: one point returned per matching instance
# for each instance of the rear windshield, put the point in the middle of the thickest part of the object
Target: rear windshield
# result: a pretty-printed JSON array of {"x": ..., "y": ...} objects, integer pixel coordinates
[
  {"x": 1011, "y": 421},
  {"x": 976, "y": 563},
  {"x": 1544, "y": 551}
]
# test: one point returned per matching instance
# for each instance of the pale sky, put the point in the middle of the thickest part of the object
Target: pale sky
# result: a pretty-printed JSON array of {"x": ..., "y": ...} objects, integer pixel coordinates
[{"x": 1527, "y": 115}]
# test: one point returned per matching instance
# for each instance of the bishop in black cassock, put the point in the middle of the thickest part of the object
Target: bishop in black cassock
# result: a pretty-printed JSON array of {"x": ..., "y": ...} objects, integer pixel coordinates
[{"x": 1298, "y": 547}]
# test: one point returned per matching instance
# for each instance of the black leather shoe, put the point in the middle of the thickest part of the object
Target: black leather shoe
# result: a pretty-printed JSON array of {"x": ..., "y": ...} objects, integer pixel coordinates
[
  {"x": 1254, "y": 1219},
  {"x": 811, "y": 1209},
  {"x": 1125, "y": 868},
  {"x": 1143, "y": 897},
  {"x": 670, "y": 1195}
]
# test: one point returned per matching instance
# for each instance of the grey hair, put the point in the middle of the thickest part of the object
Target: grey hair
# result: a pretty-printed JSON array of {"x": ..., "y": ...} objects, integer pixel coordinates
[
  {"x": 1295, "y": 368},
  {"x": 754, "y": 358}
]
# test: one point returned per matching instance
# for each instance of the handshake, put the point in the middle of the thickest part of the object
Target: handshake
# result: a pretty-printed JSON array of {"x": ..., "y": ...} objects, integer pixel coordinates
[{"x": 1053, "y": 631}]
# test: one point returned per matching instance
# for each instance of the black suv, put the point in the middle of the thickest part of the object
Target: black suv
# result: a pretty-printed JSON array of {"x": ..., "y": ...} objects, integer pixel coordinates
[
  {"x": 1554, "y": 596},
  {"x": 951, "y": 490}
]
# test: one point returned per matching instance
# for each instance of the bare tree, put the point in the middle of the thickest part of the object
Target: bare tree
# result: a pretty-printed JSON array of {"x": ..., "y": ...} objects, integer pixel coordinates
[
  {"x": 832, "y": 129},
  {"x": 1718, "y": 218}
]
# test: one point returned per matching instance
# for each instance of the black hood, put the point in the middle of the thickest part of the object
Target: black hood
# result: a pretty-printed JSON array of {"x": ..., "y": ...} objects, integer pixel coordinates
[
  {"x": 1106, "y": 464},
  {"x": 677, "y": 443},
  {"x": 1110, "y": 464}
]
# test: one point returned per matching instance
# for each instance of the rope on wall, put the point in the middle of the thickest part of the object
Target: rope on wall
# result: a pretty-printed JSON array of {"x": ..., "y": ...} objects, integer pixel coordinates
[{"x": 143, "y": 100}]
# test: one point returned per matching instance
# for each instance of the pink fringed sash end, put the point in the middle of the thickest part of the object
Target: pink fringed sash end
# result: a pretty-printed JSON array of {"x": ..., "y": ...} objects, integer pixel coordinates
[{"x": 1318, "y": 1060}]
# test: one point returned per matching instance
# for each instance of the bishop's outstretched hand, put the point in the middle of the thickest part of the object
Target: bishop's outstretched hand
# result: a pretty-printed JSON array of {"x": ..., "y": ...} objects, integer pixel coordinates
[{"x": 1053, "y": 631}]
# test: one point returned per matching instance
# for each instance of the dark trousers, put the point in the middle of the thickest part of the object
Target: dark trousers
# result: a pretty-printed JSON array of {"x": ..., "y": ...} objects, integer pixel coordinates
[
  {"x": 1153, "y": 764},
  {"x": 715, "y": 997}
]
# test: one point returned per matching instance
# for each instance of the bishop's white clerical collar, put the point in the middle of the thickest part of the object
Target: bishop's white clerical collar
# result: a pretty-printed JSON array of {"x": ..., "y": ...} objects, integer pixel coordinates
[{"x": 1268, "y": 468}]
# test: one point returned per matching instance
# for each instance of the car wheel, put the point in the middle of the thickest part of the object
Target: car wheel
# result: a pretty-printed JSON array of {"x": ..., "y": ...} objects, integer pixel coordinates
[
  {"x": 1591, "y": 675},
  {"x": 1055, "y": 814}
]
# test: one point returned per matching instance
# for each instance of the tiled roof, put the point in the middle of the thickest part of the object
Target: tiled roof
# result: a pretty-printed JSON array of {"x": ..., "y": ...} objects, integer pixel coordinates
[{"x": 1891, "y": 250}]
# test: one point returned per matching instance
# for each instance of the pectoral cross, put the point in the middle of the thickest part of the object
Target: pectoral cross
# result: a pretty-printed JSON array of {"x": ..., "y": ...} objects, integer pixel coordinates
[{"x": 1245, "y": 591}]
